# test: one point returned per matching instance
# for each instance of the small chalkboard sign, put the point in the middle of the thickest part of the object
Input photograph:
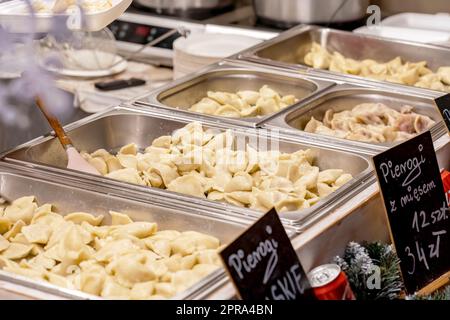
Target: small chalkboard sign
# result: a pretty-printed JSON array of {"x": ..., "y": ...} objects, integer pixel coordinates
[
  {"x": 443, "y": 104},
  {"x": 263, "y": 264},
  {"x": 416, "y": 207}
]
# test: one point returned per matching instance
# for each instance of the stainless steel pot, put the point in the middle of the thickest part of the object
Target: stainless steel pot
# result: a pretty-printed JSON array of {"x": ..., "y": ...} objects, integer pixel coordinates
[
  {"x": 186, "y": 8},
  {"x": 293, "y": 12}
]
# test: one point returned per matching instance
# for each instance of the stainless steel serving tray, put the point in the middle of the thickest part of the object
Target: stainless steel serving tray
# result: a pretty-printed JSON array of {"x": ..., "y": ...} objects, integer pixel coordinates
[
  {"x": 345, "y": 97},
  {"x": 287, "y": 51},
  {"x": 122, "y": 125},
  {"x": 70, "y": 196},
  {"x": 180, "y": 95}
]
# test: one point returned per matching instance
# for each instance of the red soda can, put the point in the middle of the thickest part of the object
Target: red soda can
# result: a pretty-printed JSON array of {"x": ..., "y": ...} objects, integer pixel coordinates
[
  {"x": 445, "y": 175},
  {"x": 330, "y": 283}
]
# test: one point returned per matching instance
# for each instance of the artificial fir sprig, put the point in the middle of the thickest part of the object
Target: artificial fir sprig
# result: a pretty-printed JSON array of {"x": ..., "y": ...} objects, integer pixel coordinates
[
  {"x": 443, "y": 294},
  {"x": 359, "y": 264},
  {"x": 389, "y": 263}
]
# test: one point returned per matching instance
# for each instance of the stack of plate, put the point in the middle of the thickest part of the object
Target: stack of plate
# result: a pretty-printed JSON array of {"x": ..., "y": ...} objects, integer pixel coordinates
[
  {"x": 201, "y": 49},
  {"x": 418, "y": 27}
]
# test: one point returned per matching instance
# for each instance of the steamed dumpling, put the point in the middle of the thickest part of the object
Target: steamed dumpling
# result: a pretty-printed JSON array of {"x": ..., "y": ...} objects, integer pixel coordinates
[
  {"x": 371, "y": 122},
  {"x": 396, "y": 71},
  {"x": 122, "y": 260},
  {"x": 243, "y": 104}
]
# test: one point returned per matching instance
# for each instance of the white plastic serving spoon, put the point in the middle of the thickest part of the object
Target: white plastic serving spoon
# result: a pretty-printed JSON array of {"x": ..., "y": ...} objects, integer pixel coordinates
[{"x": 76, "y": 161}]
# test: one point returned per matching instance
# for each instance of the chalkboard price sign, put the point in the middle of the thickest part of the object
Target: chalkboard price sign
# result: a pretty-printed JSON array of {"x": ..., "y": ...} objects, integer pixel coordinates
[
  {"x": 417, "y": 210},
  {"x": 443, "y": 104},
  {"x": 263, "y": 264}
]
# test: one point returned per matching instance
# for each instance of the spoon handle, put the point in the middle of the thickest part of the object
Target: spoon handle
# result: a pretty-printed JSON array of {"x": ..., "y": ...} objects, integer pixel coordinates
[
  {"x": 54, "y": 123},
  {"x": 183, "y": 31}
]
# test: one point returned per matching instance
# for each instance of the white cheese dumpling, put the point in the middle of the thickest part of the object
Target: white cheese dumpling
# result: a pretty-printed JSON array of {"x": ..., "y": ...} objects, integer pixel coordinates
[
  {"x": 289, "y": 204},
  {"x": 21, "y": 209},
  {"x": 37, "y": 233},
  {"x": 329, "y": 176},
  {"x": 243, "y": 104},
  {"x": 97, "y": 162},
  {"x": 4, "y": 244},
  {"x": 343, "y": 179},
  {"x": 134, "y": 268},
  {"x": 164, "y": 290},
  {"x": 16, "y": 251},
  {"x": 190, "y": 241},
  {"x": 118, "y": 218},
  {"x": 140, "y": 229},
  {"x": 129, "y": 175},
  {"x": 206, "y": 105},
  {"x": 79, "y": 217},
  {"x": 93, "y": 281},
  {"x": 318, "y": 57},
  {"x": 114, "y": 249},
  {"x": 130, "y": 149},
  {"x": 267, "y": 105},
  {"x": 111, "y": 289},
  {"x": 208, "y": 256},
  {"x": 178, "y": 262},
  {"x": 14, "y": 230},
  {"x": 249, "y": 96},
  {"x": 187, "y": 184},
  {"x": 128, "y": 160},
  {"x": 241, "y": 181},
  {"x": 228, "y": 111},
  {"x": 142, "y": 290}
]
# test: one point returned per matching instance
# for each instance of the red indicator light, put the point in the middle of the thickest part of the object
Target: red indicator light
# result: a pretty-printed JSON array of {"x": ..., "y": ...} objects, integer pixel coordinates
[{"x": 142, "y": 31}]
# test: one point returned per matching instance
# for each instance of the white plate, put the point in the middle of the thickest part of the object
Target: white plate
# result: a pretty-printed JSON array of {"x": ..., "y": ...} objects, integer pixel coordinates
[
  {"x": 209, "y": 45},
  {"x": 408, "y": 34},
  {"x": 432, "y": 22},
  {"x": 79, "y": 73},
  {"x": 9, "y": 75},
  {"x": 15, "y": 18}
]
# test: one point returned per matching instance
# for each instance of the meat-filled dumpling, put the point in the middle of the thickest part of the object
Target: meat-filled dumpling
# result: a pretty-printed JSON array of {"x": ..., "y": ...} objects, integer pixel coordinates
[{"x": 371, "y": 122}]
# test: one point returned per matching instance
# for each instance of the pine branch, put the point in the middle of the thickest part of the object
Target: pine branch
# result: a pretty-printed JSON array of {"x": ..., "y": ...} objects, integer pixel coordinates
[
  {"x": 359, "y": 264},
  {"x": 384, "y": 257},
  {"x": 443, "y": 294}
]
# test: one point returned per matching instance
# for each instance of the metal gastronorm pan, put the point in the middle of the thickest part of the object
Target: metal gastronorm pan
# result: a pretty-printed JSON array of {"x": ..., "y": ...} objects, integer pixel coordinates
[
  {"x": 345, "y": 97},
  {"x": 287, "y": 51},
  {"x": 69, "y": 197},
  {"x": 122, "y": 125},
  {"x": 183, "y": 93}
]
